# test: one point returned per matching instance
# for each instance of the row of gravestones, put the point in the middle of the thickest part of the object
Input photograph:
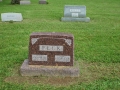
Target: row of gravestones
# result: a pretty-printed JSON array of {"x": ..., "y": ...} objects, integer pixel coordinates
[
  {"x": 71, "y": 13},
  {"x": 26, "y": 2}
]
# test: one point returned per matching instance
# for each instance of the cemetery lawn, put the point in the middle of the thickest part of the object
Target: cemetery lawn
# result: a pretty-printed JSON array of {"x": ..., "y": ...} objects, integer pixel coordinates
[{"x": 96, "y": 44}]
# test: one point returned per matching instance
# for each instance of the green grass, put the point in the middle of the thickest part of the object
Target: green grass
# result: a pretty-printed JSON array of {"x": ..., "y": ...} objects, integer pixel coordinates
[{"x": 97, "y": 43}]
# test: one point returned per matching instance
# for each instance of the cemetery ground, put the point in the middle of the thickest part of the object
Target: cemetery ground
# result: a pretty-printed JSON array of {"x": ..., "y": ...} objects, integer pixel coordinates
[{"x": 96, "y": 45}]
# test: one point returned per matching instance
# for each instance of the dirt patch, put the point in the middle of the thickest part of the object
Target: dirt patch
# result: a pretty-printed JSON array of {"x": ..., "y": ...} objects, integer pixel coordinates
[{"x": 88, "y": 73}]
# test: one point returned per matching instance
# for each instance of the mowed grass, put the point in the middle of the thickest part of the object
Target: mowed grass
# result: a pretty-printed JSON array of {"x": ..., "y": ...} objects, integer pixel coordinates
[{"x": 96, "y": 44}]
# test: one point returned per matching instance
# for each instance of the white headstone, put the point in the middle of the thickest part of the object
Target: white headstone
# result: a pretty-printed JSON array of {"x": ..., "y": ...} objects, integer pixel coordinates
[
  {"x": 11, "y": 17},
  {"x": 25, "y": 2}
]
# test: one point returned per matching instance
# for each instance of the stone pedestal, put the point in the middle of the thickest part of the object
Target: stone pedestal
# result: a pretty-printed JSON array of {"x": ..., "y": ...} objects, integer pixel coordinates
[
  {"x": 25, "y": 2},
  {"x": 75, "y": 13},
  {"x": 41, "y": 70},
  {"x": 69, "y": 19}
]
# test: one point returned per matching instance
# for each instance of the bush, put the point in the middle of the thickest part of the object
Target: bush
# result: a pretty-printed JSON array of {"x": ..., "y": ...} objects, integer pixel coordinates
[{"x": 15, "y": 1}]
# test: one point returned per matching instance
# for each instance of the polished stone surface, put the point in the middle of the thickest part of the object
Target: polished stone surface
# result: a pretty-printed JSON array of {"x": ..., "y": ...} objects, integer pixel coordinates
[{"x": 53, "y": 49}]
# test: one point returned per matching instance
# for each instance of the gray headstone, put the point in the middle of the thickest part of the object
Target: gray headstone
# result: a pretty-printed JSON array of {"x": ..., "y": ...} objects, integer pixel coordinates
[
  {"x": 0, "y": 0},
  {"x": 42, "y": 1},
  {"x": 25, "y": 2},
  {"x": 75, "y": 13},
  {"x": 11, "y": 17}
]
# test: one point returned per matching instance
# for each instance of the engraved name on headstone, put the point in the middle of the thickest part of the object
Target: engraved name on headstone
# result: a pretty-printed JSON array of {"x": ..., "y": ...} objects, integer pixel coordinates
[
  {"x": 51, "y": 49},
  {"x": 11, "y": 17},
  {"x": 75, "y": 13}
]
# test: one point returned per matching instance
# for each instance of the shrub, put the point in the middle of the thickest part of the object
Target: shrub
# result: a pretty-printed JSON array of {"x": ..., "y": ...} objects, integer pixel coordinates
[{"x": 15, "y": 1}]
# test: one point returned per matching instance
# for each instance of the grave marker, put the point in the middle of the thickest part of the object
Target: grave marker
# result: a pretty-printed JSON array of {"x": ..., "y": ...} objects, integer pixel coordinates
[
  {"x": 75, "y": 13},
  {"x": 25, "y": 2},
  {"x": 11, "y": 17},
  {"x": 43, "y": 2},
  {"x": 54, "y": 48},
  {"x": 50, "y": 54}
]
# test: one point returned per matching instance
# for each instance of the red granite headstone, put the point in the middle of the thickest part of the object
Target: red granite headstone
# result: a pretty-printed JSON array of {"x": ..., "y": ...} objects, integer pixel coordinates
[{"x": 54, "y": 49}]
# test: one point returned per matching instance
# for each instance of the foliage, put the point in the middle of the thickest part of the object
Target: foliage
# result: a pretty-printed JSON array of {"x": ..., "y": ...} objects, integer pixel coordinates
[{"x": 15, "y": 1}]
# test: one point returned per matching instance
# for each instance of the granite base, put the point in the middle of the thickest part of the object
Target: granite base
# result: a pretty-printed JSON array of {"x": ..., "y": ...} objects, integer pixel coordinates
[
  {"x": 41, "y": 70},
  {"x": 69, "y": 19}
]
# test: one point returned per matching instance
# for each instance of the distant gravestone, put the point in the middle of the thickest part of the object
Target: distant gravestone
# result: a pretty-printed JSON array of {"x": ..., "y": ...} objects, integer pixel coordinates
[
  {"x": 50, "y": 54},
  {"x": 0, "y": 0},
  {"x": 25, "y": 2},
  {"x": 11, "y": 17},
  {"x": 43, "y": 2},
  {"x": 75, "y": 13}
]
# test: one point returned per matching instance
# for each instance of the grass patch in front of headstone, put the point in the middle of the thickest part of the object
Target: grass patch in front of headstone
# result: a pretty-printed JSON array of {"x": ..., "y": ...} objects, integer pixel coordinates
[{"x": 89, "y": 72}]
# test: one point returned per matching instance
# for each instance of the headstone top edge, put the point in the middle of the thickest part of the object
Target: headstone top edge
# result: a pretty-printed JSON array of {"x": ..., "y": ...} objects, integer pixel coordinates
[
  {"x": 75, "y": 6},
  {"x": 11, "y": 13},
  {"x": 51, "y": 34}
]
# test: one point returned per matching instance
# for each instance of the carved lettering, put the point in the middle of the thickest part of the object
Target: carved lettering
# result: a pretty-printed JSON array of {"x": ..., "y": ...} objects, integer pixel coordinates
[
  {"x": 50, "y": 48},
  {"x": 62, "y": 58},
  {"x": 39, "y": 57},
  {"x": 75, "y": 10},
  {"x": 74, "y": 14}
]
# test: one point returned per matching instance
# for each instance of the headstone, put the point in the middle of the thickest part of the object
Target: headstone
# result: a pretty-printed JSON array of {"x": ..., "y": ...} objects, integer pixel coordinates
[
  {"x": 50, "y": 54},
  {"x": 75, "y": 13},
  {"x": 0, "y": 0},
  {"x": 11, "y": 17},
  {"x": 42, "y": 1},
  {"x": 51, "y": 49},
  {"x": 25, "y": 2}
]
